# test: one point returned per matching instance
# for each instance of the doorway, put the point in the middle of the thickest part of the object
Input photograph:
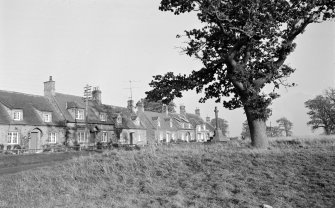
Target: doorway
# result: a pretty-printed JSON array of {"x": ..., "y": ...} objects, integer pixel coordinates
[
  {"x": 131, "y": 139},
  {"x": 34, "y": 138}
]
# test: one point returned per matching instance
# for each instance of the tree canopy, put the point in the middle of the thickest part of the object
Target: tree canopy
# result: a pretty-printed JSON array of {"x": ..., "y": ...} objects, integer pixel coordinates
[
  {"x": 242, "y": 45},
  {"x": 157, "y": 106},
  {"x": 322, "y": 112}
]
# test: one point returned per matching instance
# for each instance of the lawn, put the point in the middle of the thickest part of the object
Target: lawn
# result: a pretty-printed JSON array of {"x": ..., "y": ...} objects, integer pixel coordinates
[{"x": 291, "y": 173}]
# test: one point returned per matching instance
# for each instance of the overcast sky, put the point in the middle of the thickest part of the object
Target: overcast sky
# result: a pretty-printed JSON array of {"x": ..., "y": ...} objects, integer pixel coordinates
[{"x": 107, "y": 43}]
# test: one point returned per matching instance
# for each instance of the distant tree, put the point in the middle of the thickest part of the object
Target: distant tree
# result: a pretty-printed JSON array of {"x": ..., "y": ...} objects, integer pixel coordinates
[
  {"x": 245, "y": 130},
  {"x": 274, "y": 131},
  {"x": 223, "y": 125},
  {"x": 322, "y": 112},
  {"x": 157, "y": 106},
  {"x": 243, "y": 45},
  {"x": 285, "y": 125}
]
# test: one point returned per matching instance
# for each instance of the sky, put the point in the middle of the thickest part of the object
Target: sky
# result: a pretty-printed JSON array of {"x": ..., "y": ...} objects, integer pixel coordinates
[{"x": 108, "y": 43}]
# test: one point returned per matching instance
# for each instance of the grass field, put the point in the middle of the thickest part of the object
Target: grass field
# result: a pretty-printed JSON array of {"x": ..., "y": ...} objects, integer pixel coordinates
[{"x": 297, "y": 172}]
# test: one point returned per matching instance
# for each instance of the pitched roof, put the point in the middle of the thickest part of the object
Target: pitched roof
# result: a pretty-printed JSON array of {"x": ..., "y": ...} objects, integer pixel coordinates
[
  {"x": 31, "y": 106},
  {"x": 179, "y": 119},
  {"x": 65, "y": 102},
  {"x": 128, "y": 118},
  {"x": 195, "y": 119},
  {"x": 150, "y": 119}
]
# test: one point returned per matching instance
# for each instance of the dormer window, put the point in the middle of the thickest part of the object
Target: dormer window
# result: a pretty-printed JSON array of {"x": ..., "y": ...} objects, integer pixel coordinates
[
  {"x": 17, "y": 115},
  {"x": 103, "y": 117},
  {"x": 158, "y": 123},
  {"x": 47, "y": 117},
  {"x": 119, "y": 119},
  {"x": 171, "y": 125},
  {"x": 80, "y": 114}
]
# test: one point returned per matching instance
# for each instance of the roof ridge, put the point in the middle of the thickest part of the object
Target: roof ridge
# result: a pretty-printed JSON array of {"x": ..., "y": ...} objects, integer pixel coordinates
[{"x": 22, "y": 93}]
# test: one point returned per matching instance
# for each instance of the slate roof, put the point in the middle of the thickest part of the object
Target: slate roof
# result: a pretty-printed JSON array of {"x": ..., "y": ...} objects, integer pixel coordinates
[
  {"x": 127, "y": 117},
  {"x": 179, "y": 119},
  {"x": 65, "y": 102},
  {"x": 195, "y": 119},
  {"x": 149, "y": 118},
  {"x": 30, "y": 105}
]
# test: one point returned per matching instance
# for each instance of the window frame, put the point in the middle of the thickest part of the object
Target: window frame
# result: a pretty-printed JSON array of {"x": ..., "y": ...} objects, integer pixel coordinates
[
  {"x": 10, "y": 137},
  {"x": 52, "y": 137},
  {"x": 103, "y": 117},
  {"x": 49, "y": 116},
  {"x": 79, "y": 137},
  {"x": 79, "y": 114},
  {"x": 19, "y": 113},
  {"x": 104, "y": 136}
]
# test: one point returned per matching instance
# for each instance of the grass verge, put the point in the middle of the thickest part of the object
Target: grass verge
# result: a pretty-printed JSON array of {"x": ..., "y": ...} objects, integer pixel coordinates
[{"x": 191, "y": 175}]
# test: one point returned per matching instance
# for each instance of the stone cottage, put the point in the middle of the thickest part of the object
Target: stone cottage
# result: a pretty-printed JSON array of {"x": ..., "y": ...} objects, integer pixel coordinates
[
  {"x": 86, "y": 123},
  {"x": 29, "y": 121}
]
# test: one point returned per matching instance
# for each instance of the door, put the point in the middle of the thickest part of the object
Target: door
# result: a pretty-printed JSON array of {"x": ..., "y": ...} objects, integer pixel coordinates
[
  {"x": 33, "y": 142},
  {"x": 131, "y": 139}
]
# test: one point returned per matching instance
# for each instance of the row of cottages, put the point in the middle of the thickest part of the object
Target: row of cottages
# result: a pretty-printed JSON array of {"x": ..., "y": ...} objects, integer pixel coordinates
[
  {"x": 32, "y": 121},
  {"x": 169, "y": 127}
]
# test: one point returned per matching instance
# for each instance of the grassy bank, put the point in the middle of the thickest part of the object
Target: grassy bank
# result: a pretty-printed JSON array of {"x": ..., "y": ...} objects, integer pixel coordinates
[{"x": 295, "y": 173}]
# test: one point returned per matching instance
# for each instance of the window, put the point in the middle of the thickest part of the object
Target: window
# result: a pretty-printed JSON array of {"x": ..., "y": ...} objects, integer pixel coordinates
[
  {"x": 103, "y": 117},
  {"x": 158, "y": 123},
  {"x": 104, "y": 136},
  {"x": 171, "y": 125},
  {"x": 52, "y": 137},
  {"x": 13, "y": 138},
  {"x": 189, "y": 126},
  {"x": 199, "y": 128},
  {"x": 204, "y": 127},
  {"x": 17, "y": 115},
  {"x": 81, "y": 136},
  {"x": 161, "y": 136},
  {"x": 182, "y": 125},
  {"x": 139, "y": 137},
  {"x": 80, "y": 114},
  {"x": 47, "y": 117}
]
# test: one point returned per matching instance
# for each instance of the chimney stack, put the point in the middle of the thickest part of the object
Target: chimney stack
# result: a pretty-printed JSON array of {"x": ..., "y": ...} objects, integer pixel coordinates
[
  {"x": 49, "y": 87},
  {"x": 96, "y": 95},
  {"x": 182, "y": 110},
  {"x": 197, "y": 112},
  {"x": 131, "y": 106},
  {"x": 208, "y": 119},
  {"x": 140, "y": 106}
]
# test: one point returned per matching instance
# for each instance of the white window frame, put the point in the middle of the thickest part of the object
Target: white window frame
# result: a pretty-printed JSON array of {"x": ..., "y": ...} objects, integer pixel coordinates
[
  {"x": 199, "y": 128},
  {"x": 52, "y": 137},
  {"x": 13, "y": 137},
  {"x": 158, "y": 123},
  {"x": 139, "y": 137},
  {"x": 47, "y": 117},
  {"x": 103, "y": 117},
  {"x": 104, "y": 136},
  {"x": 171, "y": 124},
  {"x": 182, "y": 125},
  {"x": 80, "y": 114},
  {"x": 17, "y": 115},
  {"x": 81, "y": 136}
]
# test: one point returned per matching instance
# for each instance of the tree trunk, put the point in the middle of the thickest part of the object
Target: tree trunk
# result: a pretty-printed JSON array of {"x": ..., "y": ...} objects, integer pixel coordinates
[{"x": 257, "y": 129}]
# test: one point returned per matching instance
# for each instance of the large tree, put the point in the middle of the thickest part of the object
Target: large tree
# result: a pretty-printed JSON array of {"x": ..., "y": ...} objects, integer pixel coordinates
[
  {"x": 242, "y": 45},
  {"x": 285, "y": 125},
  {"x": 223, "y": 125},
  {"x": 322, "y": 112},
  {"x": 157, "y": 106}
]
